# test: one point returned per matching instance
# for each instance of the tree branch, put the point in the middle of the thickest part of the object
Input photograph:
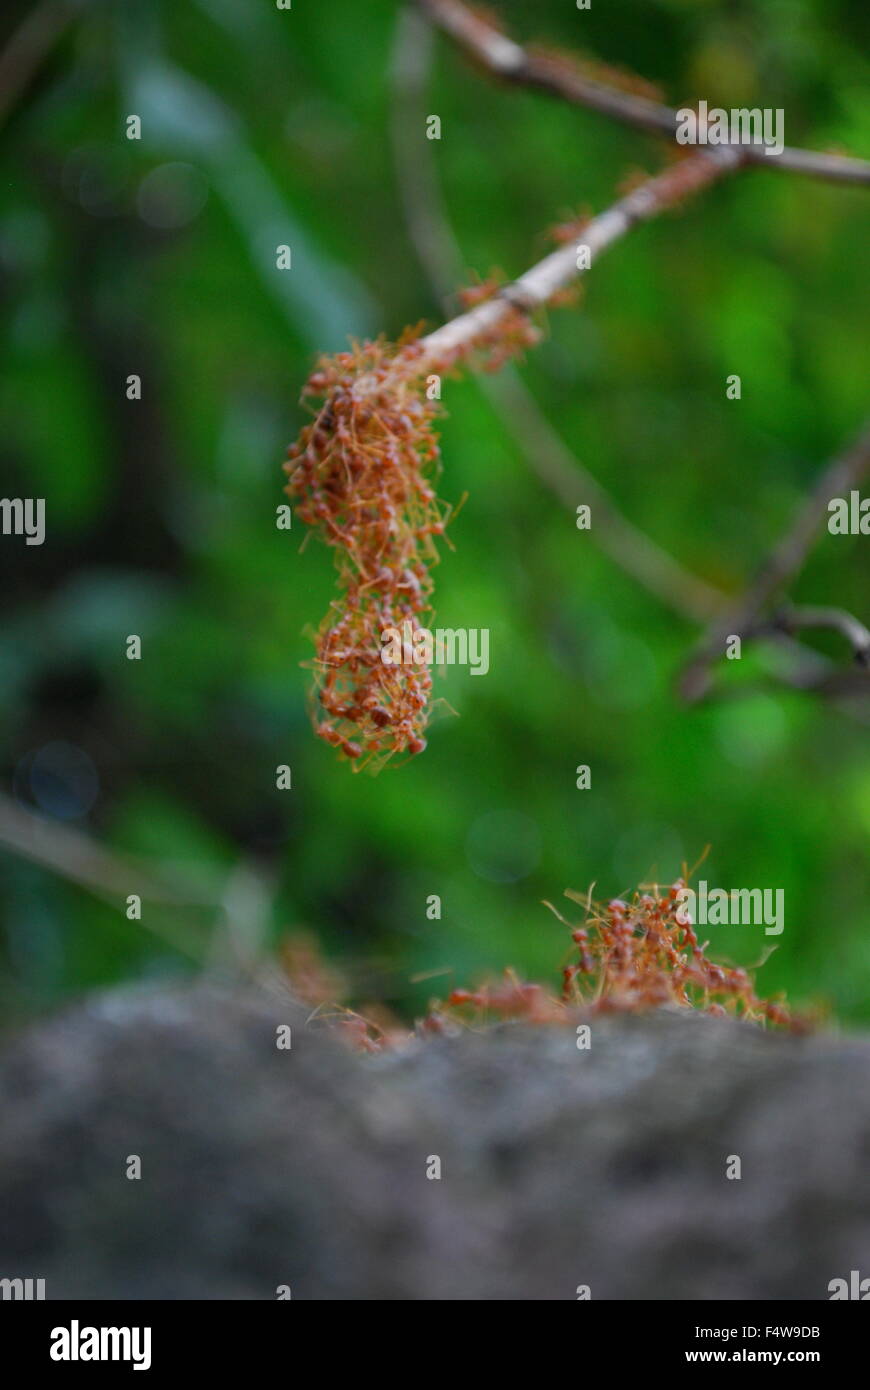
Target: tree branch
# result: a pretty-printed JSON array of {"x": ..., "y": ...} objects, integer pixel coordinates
[
  {"x": 504, "y": 58},
  {"x": 546, "y": 453},
  {"x": 534, "y": 289},
  {"x": 782, "y": 565},
  {"x": 28, "y": 49},
  {"x": 108, "y": 874},
  {"x": 791, "y": 620}
]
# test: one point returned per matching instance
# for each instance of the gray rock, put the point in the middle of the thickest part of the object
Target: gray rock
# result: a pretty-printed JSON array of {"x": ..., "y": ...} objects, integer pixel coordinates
[{"x": 307, "y": 1167}]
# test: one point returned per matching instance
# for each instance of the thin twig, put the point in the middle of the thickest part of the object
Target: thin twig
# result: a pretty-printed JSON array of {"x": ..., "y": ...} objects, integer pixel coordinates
[
  {"x": 545, "y": 451},
  {"x": 28, "y": 48},
  {"x": 107, "y": 874},
  {"x": 534, "y": 289},
  {"x": 791, "y": 663},
  {"x": 781, "y": 566},
  {"x": 791, "y": 620},
  {"x": 504, "y": 58}
]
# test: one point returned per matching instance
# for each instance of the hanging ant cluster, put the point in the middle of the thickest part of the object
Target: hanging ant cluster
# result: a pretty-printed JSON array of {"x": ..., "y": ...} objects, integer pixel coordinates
[{"x": 361, "y": 473}]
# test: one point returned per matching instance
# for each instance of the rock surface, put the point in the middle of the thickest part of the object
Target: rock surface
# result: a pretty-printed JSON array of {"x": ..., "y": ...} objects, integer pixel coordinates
[{"x": 559, "y": 1167}]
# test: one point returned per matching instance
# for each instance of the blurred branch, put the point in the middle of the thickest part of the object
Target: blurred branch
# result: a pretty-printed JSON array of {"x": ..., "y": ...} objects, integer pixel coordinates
[
  {"x": 237, "y": 940},
  {"x": 500, "y": 55},
  {"x": 791, "y": 620},
  {"x": 107, "y": 874},
  {"x": 782, "y": 565},
  {"x": 792, "y": 664},
  {"x": 28, "y": 48},
  {"x": 545, "y": 451}
]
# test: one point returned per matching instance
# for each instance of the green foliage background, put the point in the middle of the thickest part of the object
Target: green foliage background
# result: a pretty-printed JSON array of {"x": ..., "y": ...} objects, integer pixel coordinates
[{"x": 161, "y": 513}]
